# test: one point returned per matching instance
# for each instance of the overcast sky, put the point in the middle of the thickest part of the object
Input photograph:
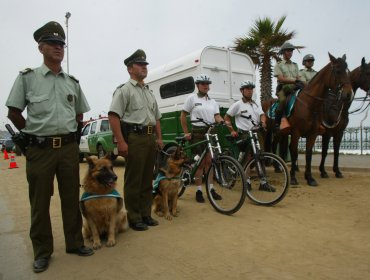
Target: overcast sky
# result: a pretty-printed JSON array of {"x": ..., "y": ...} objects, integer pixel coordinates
[{"x": 103, "y": 33}]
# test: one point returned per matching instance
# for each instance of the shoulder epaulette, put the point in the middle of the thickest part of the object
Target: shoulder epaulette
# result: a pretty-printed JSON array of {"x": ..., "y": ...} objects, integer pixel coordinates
[
  {"x": 120, "y": 85},
  {"x": 73, "y": 78},
  {"x": 25, "y": 71}
]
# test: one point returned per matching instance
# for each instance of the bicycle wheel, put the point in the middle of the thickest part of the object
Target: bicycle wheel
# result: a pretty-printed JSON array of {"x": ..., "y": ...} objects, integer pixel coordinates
[
  {"x": 268, "y": 179},
  {"x": 185, "y": 180},
  {"x": 229, "y": 181}
]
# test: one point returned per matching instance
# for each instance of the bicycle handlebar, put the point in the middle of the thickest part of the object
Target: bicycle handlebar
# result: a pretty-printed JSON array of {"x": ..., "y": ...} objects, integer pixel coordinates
[{"x": 209, "y": 124}]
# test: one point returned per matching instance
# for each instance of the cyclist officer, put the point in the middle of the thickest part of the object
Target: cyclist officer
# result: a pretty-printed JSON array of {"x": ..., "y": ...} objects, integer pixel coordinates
[
  {"x": 200, "y": 105},
  {"x": 247, "y": 114}
]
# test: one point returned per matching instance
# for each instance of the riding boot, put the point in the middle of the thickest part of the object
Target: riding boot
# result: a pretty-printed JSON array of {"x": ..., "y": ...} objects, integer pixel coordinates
[{"x": 278, "y": 116}]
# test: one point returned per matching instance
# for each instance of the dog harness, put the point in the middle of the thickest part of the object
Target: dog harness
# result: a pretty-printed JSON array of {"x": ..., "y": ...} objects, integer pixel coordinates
[
  {"x": 87, "y": 196},
  {"x": 159, "y": 178}
]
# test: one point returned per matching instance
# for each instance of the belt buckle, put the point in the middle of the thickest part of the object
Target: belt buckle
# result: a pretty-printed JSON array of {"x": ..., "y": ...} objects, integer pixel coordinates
[
  {"x": 150, "y": 129},
  {"x": 57, "y": 142}
]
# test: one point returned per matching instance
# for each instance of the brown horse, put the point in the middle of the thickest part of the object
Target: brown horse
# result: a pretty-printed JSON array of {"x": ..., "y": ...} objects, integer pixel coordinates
[
  {"x": 307, "y": 114},
  {"x": 360, "y": 78}
]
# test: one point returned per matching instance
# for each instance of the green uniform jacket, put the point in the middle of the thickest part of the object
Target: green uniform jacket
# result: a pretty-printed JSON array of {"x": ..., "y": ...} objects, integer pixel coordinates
[{"x": 52, "y": 101}]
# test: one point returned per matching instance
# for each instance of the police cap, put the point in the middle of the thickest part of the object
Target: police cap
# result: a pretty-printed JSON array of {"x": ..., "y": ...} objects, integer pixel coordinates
[
  {"x": 286, "y": 46},
  {"x": 52, "y": 31},
  {"x": 308, "y": 57},
  {"x": 137, "y": 57}
]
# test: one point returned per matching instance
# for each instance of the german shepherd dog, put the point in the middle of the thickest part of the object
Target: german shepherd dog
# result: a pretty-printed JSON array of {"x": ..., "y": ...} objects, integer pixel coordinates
[
  {"x": 165, "y": 199},
  {"x": 102, "y": 207}
]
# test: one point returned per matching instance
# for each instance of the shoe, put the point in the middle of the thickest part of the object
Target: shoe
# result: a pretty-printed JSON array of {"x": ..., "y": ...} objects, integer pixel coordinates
[
  {"x": 215, "y": 195},
  {"x": 139, "y": 226},
  {"x": 40, "y": 265},
  {"x": 266, "y": 188},
  {"x": 150, "y": 221},
  {"x": 81, "y": 251},
  {"x": 249, "y": 186},
  {"x": 199, "y": 196}
]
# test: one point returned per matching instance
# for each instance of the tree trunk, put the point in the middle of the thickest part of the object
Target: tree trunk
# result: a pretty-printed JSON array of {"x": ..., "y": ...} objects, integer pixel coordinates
[{"x": 266, "y": 79}]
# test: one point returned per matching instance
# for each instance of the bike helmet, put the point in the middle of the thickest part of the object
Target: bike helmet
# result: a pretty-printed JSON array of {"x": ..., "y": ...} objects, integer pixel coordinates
[
  {"x": 308, "y": 57},
  {"x": 247, "y": 84},
  {"x": 203, "y": 78},
  {"x": 286, "y": 46}
]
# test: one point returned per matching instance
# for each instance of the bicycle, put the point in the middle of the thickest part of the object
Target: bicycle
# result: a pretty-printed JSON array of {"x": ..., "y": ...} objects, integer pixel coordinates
[
  {"x": 267, "y": 174},
  {"x": 225, "y": 172}
]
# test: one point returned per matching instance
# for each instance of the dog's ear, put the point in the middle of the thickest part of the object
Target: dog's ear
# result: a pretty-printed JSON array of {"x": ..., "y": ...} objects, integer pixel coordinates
[{"x": 90, "y": 162}]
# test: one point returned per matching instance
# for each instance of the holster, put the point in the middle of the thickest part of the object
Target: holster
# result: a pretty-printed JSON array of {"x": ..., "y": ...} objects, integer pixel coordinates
[
  {"x": 124, "y": 130},
  {"x": 22, "y": 141},
  {"x": 79, "y": 132}
]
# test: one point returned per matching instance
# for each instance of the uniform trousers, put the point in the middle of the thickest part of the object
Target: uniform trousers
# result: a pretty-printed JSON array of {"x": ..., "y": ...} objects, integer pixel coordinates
[
  {"x": 139, "y": 175},
  {"x": 282, "y": 95},
  {"x": 41, "y": 167}
]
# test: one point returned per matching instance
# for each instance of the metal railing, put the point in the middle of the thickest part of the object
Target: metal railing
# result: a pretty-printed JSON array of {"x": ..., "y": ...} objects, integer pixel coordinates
[{"x": 355, "y": 140}]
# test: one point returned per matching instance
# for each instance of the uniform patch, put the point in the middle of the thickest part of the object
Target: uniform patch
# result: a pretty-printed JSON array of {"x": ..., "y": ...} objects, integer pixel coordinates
[{"x": 70, "y": 97}]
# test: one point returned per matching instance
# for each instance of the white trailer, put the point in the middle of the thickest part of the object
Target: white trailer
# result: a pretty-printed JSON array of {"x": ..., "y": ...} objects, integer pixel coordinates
[{"x": 174, "y": 81}]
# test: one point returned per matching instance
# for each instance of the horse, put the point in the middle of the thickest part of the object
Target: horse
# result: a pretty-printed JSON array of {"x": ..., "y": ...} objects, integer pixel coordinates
[
  {"x": 307, "y": 114},
  {"x": 360, "y": 78}
]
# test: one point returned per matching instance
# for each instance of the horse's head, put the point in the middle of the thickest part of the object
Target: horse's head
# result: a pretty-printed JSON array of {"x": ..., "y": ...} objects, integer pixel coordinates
[
  {"x": 364, "y": 78},
  {"x": 340, "y": 84}
]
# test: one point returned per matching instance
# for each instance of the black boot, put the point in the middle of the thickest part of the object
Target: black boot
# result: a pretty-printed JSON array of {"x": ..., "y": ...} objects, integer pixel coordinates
[{"x": 277, "y": 120}]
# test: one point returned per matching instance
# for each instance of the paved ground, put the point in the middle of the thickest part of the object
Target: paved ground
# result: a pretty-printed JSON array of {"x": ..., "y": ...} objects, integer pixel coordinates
[{"x": 314, "y": 233}]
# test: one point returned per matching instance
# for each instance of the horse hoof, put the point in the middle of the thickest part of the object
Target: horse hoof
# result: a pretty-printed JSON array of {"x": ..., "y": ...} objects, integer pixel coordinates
[
  {"x": 338, "y": 175},
  {"x": 312, "y": 182},
  {"x": 324, "y": 175},
  {"x": 293, "y": 181}
]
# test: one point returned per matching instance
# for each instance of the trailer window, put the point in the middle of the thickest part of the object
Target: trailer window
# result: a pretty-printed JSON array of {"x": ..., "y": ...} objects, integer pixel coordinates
[{"x": 177, "y": 88}]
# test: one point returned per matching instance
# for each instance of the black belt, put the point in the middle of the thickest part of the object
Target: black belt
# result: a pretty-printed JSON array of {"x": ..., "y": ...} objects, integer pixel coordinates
[
  {"x": 199, "y": 128},
  {"x": 140, "y": 129},
  {"x": 54, "y": 141}
]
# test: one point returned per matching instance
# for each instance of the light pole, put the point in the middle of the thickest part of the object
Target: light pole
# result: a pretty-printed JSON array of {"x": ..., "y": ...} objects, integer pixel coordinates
[{"x": 68, "y": 15}]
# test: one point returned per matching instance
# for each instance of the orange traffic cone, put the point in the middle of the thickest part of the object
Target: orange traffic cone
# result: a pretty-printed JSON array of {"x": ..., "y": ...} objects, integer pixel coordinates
[
  {"x": 6, "y": 156},
  {"x": 12, "y": 163}
]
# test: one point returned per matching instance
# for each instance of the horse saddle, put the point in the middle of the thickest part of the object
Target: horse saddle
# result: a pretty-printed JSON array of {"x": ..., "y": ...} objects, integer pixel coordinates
[{"x": 290, "y": 101}]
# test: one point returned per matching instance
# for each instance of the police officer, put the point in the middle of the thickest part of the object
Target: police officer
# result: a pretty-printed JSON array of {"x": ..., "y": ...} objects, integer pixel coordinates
[
  {"x": 308, "y": 72},
  {"x": 247, "y": 114},
  {"x": 200, "y": 105},
  {"x": 55, "y": 104},
  {"x": 137, "y": 139},
  {"x": 287, "y": 74}
]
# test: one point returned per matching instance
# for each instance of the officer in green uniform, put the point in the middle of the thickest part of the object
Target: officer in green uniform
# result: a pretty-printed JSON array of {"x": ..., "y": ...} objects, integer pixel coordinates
[
  {"x": 55, "y": 104},
  {"x": 308, "y": 72},
  {"x": 286, "y": 72},
  {"x": 134, "y": 118}
]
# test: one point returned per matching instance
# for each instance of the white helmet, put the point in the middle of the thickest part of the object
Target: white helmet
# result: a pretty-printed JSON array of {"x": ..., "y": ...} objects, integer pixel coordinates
[
  {"x": 203, "y": 78},
  {"x": 247, "y": 84}
]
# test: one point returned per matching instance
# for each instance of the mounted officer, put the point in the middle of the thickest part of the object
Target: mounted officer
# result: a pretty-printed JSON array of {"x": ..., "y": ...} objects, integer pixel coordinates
[
  {"x": 287, "y": 74},
  {"x": 308, "y": 72}
]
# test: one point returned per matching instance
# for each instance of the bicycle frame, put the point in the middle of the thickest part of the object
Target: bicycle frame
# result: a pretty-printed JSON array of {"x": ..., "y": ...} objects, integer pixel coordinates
[{"x": 213, "y": 146}]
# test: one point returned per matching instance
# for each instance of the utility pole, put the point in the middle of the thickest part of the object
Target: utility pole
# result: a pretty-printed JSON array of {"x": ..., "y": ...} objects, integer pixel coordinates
[{"x": 68, "y": 15}]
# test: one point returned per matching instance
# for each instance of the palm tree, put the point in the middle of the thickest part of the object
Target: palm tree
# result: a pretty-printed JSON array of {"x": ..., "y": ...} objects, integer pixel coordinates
[{"x": 262, "y": 44}]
